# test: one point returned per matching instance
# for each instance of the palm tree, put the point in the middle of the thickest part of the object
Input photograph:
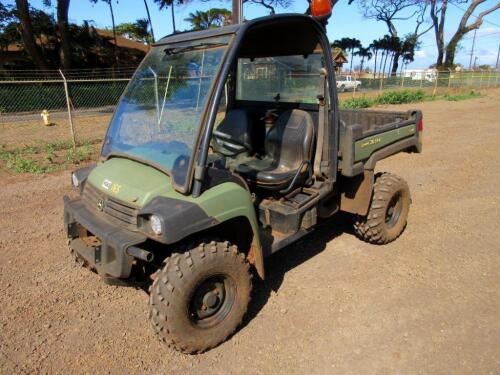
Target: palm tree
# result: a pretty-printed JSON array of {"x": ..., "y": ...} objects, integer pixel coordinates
[
  {"x": 386, "y": 45},
  {"x": 395, "y": 48},
  {"x": 375, "y": 47},
  {"x": 110, "y": 4},
  {"x": 149, "y": 20},
  {"x": 348, "y": 44},
  {"x": 364, "y": 53},
  {"x": 214, "y": 17},
  {"x": 170, "y": 3},
  {"x": 408, "y": 47}
]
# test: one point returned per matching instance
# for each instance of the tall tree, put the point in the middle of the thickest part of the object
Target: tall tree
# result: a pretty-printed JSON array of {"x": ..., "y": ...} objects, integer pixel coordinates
[
  {"x": 438, "y": 16},
  {"x": 375, "y": 46},
  {"x": 214, "y": 17},
  {"x": 111, "y": 11},
  {"x": 28, "y": 35},
  {"x": 149, "y": 20},
  {"x": 438, "y": 8},
  {"x": 170, "y": 3},
  {"x": 271, "y": 5},
  {"x": 389, "y": 11},
  {"x": 364, "y": 53},
  {"x": 137, "y": 30},
  {"x": 8, "y": 30},
  {"x": 63, "y": 27},
  {"x": 348, "y": 44}
]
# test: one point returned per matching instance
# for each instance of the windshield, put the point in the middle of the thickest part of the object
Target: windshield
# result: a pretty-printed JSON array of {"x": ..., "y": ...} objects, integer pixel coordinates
[{"x": 158, "y": 117}]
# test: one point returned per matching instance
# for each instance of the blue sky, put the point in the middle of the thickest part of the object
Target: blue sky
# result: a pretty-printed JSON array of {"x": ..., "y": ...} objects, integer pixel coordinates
[{"x": 346, "y": 21}]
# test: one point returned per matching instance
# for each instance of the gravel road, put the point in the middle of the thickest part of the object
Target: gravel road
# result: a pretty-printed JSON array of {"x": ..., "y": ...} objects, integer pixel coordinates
[{"x": 426, "y": 303}]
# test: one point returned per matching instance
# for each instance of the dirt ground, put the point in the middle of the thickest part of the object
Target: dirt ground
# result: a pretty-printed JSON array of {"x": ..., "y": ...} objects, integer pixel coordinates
[{"x": 427, "y": 303}]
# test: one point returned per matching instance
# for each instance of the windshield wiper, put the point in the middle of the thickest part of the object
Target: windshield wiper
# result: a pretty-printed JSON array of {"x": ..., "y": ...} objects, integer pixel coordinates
[{"x": 176, "y": 50}]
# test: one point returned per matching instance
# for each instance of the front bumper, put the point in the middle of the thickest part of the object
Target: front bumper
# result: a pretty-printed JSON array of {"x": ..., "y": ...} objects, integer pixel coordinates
[{"x": 108, "y": 254}]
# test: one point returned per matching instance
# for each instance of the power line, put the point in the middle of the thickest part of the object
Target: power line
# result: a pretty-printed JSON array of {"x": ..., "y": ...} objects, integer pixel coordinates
[
  {"x": 483, "y": 36},
  {"x": 473, "y": 15}
]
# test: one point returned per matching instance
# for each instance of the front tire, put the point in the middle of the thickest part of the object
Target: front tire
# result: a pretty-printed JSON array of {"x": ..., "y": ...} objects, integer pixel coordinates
[
  {"x": 388, "y": 212},
  {"x": 199, "y": 298}
]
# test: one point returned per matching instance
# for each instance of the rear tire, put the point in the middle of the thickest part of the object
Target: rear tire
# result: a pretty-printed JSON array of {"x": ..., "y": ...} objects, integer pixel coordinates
[
  {"x": 199, "y": 298},
  {"x": 388, "y": 212}
]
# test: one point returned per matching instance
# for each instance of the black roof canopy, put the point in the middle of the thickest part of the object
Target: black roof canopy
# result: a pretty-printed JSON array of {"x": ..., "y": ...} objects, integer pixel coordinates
[{"x": 276, "y": 30}]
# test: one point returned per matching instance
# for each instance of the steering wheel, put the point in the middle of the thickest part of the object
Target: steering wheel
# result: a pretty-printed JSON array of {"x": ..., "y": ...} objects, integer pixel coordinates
[{"x": 228, "y": 145}]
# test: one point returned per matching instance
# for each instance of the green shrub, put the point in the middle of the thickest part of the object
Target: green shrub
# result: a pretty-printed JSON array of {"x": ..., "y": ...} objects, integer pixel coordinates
[
  {"x": 355, "y": 103},
  {"x": 400, "y": 97}
]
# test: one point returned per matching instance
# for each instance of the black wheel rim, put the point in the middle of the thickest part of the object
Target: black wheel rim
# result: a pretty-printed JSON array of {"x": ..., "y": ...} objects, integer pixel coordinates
[
  {"x": 394, "y": 209},
  {"x": 212, "y": 301}
]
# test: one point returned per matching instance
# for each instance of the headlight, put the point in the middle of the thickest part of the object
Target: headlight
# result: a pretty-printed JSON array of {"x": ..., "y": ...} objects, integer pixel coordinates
[
  {"x": 74, "y": 180},
  {"x": 155, "y": 223}
]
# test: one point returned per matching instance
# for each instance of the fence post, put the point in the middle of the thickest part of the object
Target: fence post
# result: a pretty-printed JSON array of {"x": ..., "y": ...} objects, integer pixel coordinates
[
  {"x": 421, "y": 79},
  {"x": 481, "y": 79},
  {"x": 381, "y": 85},
  {"x": 354, "y": 87},
  {"x": 402, "y": 79},
  {"x": 496, "y": 78},
  {"x": 435, "y": 83},
  {"x": 449, "y": 80},
  {"x": 68, "y": 103},
  {"x": 489, "y": 77}
]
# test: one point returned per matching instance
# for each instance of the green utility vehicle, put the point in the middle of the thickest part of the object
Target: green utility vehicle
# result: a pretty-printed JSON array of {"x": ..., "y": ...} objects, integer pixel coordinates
[{"x": 228, "y": 145}]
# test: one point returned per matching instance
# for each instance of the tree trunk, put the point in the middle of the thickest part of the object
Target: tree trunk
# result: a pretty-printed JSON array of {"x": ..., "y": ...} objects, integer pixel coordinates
[
  {"x": 375, "y": 66},
  {"x": 352, "y": 59},
  {"x": 361, "y": 67},
  {"x": 389, "y": 66},
  {"x": 28, "y": 36},
  {"x": 438, "y": 25},
  {"x": 149, "y": 20},
  {"x": 63, "y": 26},
  {"x": 395, "y": 63},
  {"x": 450, "y": 50},
  {"x": 463, "y": 29},
  {"x": 115, "y": 47},
  {"x": 382, "y": 66},
  {"x": 173, "y": 17}
]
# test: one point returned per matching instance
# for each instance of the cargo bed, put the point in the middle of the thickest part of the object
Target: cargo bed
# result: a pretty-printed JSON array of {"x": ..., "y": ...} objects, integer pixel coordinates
[{"x": 367, "y": 136}]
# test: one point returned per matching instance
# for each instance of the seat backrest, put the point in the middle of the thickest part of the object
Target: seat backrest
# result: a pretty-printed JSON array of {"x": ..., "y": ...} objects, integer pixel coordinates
[
  {"x": 289, "y": 142},
  {"x": 237, "y": 124}
]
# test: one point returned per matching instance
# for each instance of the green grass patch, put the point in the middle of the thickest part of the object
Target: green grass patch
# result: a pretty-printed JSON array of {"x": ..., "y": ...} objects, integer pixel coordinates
[
  {"x": 47, "y": 157},
  {"x": 470, "y": 95},
  {"x": 356, "y": 103},
  {"x": 400, "y": 97}
]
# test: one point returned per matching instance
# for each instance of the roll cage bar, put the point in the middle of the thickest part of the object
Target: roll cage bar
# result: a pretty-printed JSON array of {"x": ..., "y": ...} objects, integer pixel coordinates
[{"x": 196, "y": 171}]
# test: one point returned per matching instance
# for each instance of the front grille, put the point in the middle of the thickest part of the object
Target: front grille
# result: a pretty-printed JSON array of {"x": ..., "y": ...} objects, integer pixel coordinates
[{"x": 115, "y": 209}]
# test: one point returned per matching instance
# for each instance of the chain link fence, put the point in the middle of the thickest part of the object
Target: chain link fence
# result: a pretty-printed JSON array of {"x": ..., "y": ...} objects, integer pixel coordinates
[
  {"x": 432, "y": 82},
  {"x": 34, "y": 105}
]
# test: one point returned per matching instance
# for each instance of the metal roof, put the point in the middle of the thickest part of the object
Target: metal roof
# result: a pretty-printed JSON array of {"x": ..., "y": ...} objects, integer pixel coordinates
[{"x": 230, "y": 29}]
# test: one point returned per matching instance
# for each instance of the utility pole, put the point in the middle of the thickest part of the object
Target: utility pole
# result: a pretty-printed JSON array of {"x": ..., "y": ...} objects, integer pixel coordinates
[
  {"x": 237, "y": 13},
  {"x": 498, "y": 55},
  {"x": 472, "y": 50}
]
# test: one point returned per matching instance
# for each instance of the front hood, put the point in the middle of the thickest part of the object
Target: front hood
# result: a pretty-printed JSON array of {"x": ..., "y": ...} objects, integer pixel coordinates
[{"x": 129, "y": 181}]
